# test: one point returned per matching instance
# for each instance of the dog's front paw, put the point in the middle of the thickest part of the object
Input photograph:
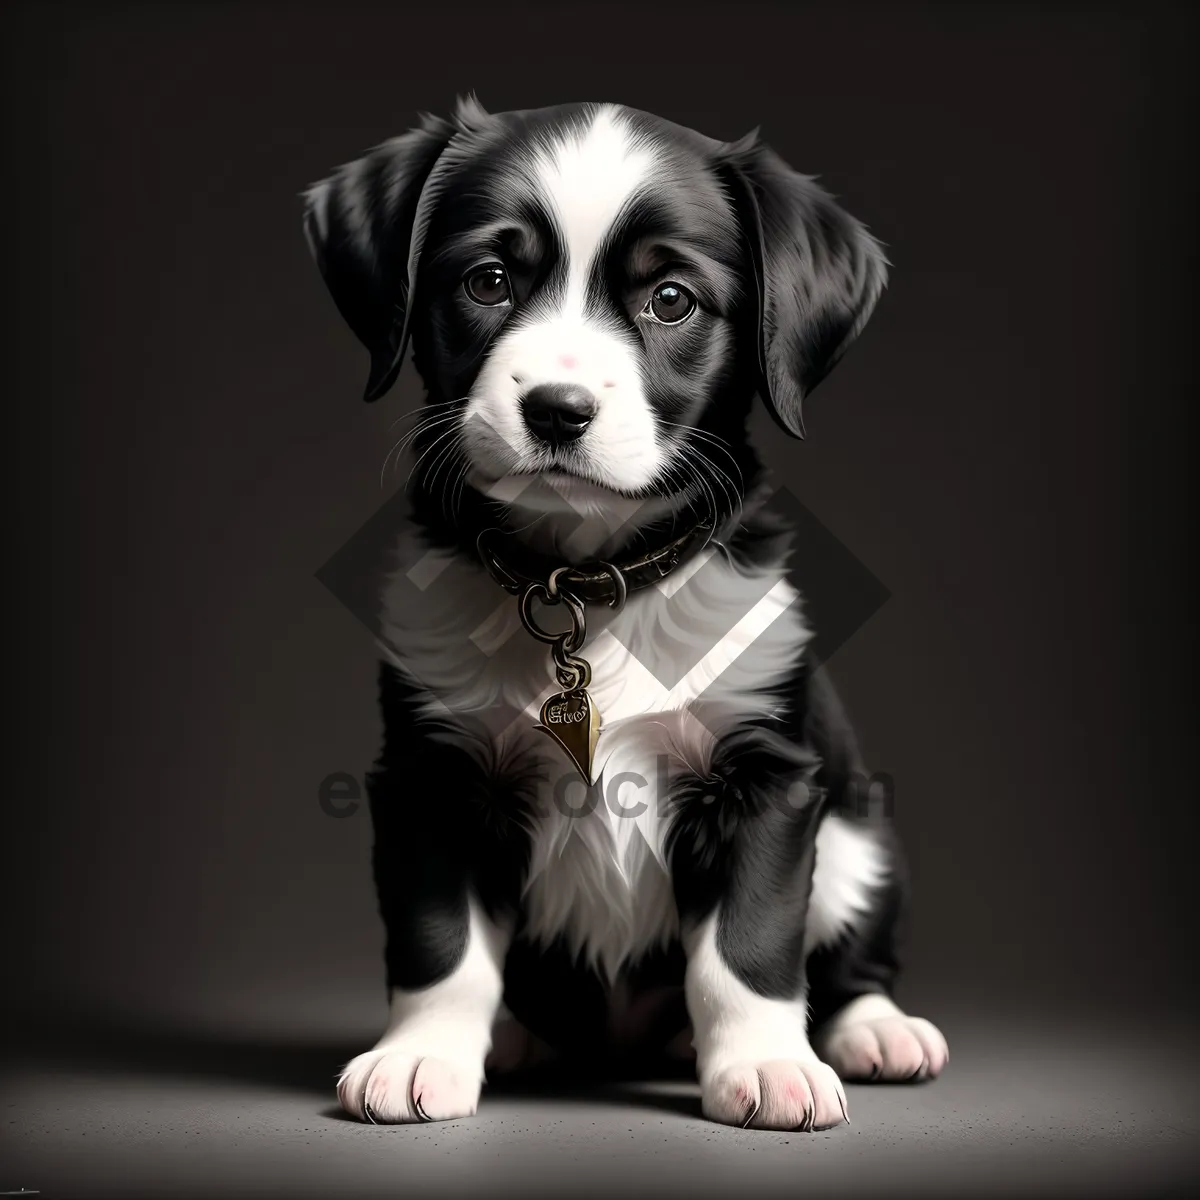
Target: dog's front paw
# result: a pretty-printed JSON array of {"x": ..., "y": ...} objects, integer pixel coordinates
[
  {"x": 872, "y": 1040},
  {"x": 783, "y": 1094},
  {"x": 392, "y": 1086}
]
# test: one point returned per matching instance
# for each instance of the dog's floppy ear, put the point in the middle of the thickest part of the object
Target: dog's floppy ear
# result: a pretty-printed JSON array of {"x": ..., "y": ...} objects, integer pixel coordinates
[
  {"x": 819, "y": 274},
  {"x": 364, "y": 225}
]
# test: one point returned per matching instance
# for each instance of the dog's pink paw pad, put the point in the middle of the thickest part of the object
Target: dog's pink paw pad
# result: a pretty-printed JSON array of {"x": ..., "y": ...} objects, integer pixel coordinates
[
  {"x": 439, "y": 1093},
  {"x": 886, "y": 1049},
  {"x": 776, "y": 1095},
  {"x": 388, "y": 1087}
]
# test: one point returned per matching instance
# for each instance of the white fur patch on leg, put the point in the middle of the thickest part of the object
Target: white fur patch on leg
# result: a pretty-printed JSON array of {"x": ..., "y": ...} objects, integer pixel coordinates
[
  {"x": 753, "y": 1056},
  {"x": 851, "y": 865},
  {"x": 428, "y": 1065},
  {"x": 872, "y": 1040}
]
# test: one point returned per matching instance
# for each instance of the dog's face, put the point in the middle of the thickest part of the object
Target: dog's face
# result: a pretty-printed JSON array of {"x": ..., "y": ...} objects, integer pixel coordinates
[
  {"x": 593, "y": 294},
  {"x": 582, "y": 292}
]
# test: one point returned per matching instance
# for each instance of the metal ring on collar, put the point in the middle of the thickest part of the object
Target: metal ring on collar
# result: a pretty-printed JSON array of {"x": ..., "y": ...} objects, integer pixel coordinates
[
  {"x": 552, "y": 582},
  {"x": 571, "y": 639},
  {"x": 620, "y": 587}
]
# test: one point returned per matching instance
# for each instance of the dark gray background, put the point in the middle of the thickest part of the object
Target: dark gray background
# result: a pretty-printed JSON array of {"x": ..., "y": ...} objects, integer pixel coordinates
[{"x": 1007, "y": 448}]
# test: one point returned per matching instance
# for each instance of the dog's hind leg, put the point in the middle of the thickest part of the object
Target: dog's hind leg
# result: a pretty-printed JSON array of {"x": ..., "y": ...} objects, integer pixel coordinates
[
  {"x": 859, "y": 907},
  {"x": 859, "y": 1029}
]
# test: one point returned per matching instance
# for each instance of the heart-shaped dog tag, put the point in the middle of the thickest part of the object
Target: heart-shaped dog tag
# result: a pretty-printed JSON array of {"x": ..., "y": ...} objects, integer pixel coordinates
[{"x": 571, "y": 719}]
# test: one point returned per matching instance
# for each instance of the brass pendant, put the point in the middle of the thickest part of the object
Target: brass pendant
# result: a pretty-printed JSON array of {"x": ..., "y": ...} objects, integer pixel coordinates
[
  {"x": 573, "y": 721},
  {"x": 569, "y": 716}
]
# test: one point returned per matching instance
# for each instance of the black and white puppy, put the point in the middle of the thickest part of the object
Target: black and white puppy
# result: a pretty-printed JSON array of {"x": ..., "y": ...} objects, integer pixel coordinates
[{"x": 594, "y": 297}]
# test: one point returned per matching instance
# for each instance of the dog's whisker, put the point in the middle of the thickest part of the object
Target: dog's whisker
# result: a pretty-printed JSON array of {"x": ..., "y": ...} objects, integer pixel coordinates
[
  {"x": 701, "y": 477},
  {"x": 463, "y": 472},
  {"x": 452, "y": 459},
  {"x": 692, "y": 432},
  {"x": 399, "y": 447},
  {"x": 703, "y": 464},
  {"x": 444, "y": 455},
  {"x": 727, "y": 485},
  {"x": 428, "y": 423},
  {"x": 713, "y": 440},
  {"x": 421, "y": 410},
  {"x": 445, "y": 459},
  {"x": 430, "y": 426},
  {"x": 430, "y": 417},
  {"x": 447, "y": 433}
]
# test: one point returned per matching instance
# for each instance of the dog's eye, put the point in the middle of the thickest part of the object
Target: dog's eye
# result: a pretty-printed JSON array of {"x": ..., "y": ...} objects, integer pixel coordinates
[
  {"x": 488, "y": 286},
  {"x": 669, "y": 304}
]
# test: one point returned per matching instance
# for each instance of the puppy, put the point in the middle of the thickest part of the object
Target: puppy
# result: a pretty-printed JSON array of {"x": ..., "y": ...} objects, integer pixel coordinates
[{"x": 616, "y": 810}]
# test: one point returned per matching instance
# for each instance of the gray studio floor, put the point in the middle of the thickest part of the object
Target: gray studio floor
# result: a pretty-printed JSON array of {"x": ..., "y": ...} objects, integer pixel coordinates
[{"x": 1021, "y": 1110}]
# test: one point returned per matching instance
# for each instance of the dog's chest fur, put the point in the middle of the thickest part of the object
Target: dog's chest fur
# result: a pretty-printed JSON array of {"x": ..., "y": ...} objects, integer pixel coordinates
[{"x": 684, "y": 661}]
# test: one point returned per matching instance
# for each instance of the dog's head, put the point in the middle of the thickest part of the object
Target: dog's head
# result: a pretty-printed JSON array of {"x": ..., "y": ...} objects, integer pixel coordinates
[{"x": 592, "y": 293}]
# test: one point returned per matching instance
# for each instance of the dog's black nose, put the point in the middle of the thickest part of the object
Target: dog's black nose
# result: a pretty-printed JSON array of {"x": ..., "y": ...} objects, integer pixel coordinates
[{"x": 558, "y": 413}]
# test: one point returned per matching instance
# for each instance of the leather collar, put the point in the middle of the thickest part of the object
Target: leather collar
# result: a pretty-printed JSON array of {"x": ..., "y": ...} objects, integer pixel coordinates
[{"x": 598, "y": 582}]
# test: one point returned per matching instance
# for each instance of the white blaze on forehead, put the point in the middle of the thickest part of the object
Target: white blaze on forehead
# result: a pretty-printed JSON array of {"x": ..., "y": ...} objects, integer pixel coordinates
[{"x": 587, "y": 178}]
